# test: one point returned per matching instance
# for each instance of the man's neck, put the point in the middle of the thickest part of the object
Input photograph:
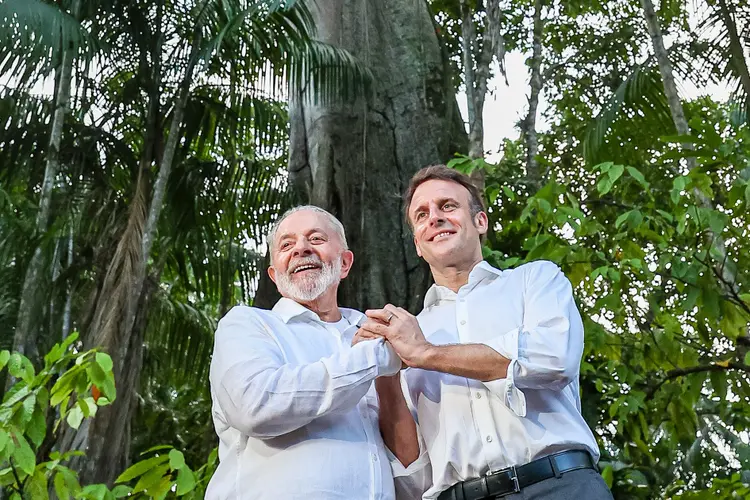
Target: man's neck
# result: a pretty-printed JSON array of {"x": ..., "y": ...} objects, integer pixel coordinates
[
  {"x": 454, "y": 276},
  {"x": 326, "y": 306}
]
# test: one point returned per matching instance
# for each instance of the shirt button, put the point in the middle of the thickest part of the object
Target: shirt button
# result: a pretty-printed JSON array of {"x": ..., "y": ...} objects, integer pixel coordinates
[
  {"x": 463, "y": 321},
  {"x": 479, "y": 396},
  {"x": 374, "y": 458},
  {"x": 489, "y": 439}
]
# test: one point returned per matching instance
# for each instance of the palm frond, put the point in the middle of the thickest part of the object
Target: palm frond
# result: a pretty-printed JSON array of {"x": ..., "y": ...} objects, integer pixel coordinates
[
  {"x": 33, "y": 34},
  {"x": 639, "y": 97}
]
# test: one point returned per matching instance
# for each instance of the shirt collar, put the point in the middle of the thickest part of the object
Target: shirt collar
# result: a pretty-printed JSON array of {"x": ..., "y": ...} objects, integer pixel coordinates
[
  {"x": 287, "y": 310},
  {"x": 436, "y": 293}
]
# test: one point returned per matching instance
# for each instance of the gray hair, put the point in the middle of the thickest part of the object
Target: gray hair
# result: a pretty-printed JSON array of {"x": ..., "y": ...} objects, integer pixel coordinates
[{"x": 335, "y": 224}]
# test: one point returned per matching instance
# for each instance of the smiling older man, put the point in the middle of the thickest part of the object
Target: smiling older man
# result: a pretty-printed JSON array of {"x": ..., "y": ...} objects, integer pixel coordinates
[{"x": 293, "y": 402}]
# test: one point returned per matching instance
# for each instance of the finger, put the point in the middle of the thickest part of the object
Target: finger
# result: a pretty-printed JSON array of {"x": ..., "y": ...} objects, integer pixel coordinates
[
  {"x": 360, "y": 336},
  {"x": 394, "y": 311},
  {"x": 375, "y": 327},
  {"x": 381, "y": 315},
  {"x": 367, "y": 334},
  {"x": 403, "y": 312}
]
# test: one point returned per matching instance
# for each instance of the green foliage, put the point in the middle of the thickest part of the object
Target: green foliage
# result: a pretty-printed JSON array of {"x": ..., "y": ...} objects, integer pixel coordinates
[
  {"x": 68, "y": 389},
  {"x": 665, "y": 378}
]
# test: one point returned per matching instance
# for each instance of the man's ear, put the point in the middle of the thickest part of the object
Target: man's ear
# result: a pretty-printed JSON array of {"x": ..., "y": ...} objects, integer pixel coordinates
[
  {"x": 481, "y": 222},
  {"x": 347, "y": 261},
  {"x": 272, "y": 273},
  {"x": 416, "y": 246}
]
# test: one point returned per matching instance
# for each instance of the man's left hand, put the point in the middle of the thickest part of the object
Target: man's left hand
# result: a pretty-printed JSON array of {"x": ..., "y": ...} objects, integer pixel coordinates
[{"x": 401, "y": 329}]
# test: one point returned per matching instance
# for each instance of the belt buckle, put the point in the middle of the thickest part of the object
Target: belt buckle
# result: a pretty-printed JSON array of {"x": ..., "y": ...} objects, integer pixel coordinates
[{"x": 514, "y": 477}]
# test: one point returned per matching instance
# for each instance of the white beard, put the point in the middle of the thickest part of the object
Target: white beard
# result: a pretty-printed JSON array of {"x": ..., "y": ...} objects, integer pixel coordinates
[{"x": 310, "y": 288}]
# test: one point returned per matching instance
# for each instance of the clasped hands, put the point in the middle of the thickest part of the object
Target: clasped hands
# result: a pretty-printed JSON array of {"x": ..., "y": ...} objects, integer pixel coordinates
[{"x": 400, "y": 328}]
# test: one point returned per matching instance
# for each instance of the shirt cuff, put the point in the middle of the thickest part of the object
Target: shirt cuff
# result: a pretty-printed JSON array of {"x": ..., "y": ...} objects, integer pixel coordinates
[
  {"x": 388, "y": 362},
  {"x": 505, "y": 389}
]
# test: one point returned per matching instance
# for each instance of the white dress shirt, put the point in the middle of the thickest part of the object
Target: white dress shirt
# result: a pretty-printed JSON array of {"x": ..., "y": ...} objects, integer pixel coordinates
[
  {"x": 471, "y": 427},
  {"x": 295, "y": 407}
]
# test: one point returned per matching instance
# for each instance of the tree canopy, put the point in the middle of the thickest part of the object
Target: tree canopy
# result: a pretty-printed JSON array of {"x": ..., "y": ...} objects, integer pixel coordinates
[{"x": 144, "y": 151}]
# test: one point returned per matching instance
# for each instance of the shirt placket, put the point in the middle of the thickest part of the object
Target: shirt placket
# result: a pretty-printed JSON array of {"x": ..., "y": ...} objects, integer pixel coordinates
[{"x": 480, "y": 396}]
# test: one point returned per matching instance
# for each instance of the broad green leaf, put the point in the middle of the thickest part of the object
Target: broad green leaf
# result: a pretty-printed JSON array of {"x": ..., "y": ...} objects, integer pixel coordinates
[
  {"x": 152, "y": 478},
  {"x": 638, "y": 176},
  {"x": 747, "y": 358},
  {"x": 616, "y": 172},
  {"x": 4, "y": 357},
  {"x": 666, "y": 215},
  {"x": 61, "y": 489},
  {"x": 4, "y": 438},
  {"x": 176, "y": 460},
  {"x": 23, "y": 455},
  {"x": 604, "y": 167},
  {"x": 103, "y": 360},
  {"x": 96, "y": 492},
  {"x": 88, "y": 406},
  {"x": 604, "y": 185},
  {"x": 121, "y": 491},
  {"x": 14, "y": 397},
  {"x": 621, "y": 219},
  {"x": 747, "y": 195},
  {"x": 37, "y": 428},
  {"x": 28, "y": 406},
  {"x": 20, "y": 367},
  {"x": 7, "y": 477},
  {"x": 75, "y": 417},
  {"x": 104, "y": 381},
  {"x": 185, "y": 481},
  {"x": 512, "y": 196},
  {"x": 70, "y": 478},
  {"x": 140, "y": 468},
  {"x": 36, "y": 486}
]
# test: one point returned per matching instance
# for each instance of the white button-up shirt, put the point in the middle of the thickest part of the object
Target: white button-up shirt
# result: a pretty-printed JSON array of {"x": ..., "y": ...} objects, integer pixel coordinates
[
  {"x": 295, "y": 407},
  {"x": 471, "y": 427}
]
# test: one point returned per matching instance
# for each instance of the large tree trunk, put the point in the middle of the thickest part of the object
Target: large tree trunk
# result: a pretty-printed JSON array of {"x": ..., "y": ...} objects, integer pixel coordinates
[
  {"x": 26, "y": 336},
  {"x": 356, "y": 159}
]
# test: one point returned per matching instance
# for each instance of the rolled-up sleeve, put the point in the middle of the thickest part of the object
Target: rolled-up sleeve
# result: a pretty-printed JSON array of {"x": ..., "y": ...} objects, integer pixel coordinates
[
  {"x": 263, "y": 396},
  {"x": 545, "y": 352}
]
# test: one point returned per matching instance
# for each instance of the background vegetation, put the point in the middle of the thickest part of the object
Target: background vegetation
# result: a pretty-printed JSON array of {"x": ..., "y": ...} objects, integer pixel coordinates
[{"x": 147, "y": 144}]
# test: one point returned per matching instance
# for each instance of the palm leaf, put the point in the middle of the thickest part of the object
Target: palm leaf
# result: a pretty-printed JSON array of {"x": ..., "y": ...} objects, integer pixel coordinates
[
  {"x": 638, "y": 98},
  {"x": 33, "y": 34}
]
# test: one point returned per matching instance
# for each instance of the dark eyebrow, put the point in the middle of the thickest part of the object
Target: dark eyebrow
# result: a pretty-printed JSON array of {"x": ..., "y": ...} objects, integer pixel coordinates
[{"x": 440, "y": 202}]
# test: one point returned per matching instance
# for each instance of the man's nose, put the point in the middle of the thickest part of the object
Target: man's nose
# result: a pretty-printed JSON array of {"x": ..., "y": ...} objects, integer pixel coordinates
[
  {"x": 436, "y": 217},
  {"x": 302, "y": 248}
]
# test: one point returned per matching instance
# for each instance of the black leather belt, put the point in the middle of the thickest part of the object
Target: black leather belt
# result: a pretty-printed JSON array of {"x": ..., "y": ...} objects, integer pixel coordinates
[{"x": 511, "y": 480}]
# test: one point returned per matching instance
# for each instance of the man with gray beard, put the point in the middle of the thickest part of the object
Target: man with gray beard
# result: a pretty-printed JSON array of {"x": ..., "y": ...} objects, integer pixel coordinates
[{"x": 293, "y": 401}]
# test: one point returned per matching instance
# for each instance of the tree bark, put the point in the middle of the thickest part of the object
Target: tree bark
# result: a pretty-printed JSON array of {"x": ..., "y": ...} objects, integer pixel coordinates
[
  {"x": 477, "y": 60},
  {"x": 532, "y": 142},
  {"x": 356, "y": 159},
  {"x": 26, "y": 336}
]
